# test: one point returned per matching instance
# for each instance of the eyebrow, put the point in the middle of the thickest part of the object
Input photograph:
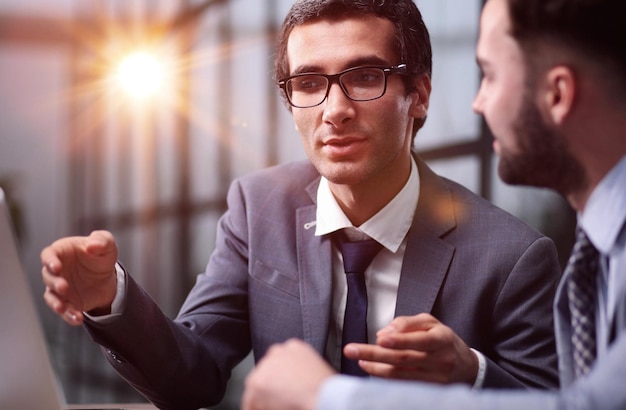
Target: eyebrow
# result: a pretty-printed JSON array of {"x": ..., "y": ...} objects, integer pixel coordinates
[{"x": 358, "y": 62}]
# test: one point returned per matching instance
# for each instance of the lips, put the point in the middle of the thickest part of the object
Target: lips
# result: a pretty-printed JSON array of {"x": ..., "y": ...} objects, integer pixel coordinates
[{"x": 343, "y": 146}]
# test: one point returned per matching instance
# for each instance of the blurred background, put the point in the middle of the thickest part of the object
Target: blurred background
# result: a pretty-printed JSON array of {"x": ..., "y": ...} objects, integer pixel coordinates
[{"x": 135, "y": 115}]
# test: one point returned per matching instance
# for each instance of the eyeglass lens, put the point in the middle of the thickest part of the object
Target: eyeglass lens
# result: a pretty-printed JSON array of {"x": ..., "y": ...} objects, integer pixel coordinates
[{"x": 360, "y": 84}]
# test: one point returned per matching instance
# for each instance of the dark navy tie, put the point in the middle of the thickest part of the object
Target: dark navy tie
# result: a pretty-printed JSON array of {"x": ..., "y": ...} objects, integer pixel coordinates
[
  {"x": 582, "y": 269},
  {"x": 356, "y": 258}
]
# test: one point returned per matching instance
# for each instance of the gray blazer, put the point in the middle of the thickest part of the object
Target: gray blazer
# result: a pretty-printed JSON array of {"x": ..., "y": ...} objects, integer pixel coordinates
[{"x": 479, "y": 270}]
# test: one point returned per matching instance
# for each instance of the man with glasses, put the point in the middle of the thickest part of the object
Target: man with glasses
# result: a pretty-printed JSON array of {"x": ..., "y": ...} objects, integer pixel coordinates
[{"x": 476, "y": 282}]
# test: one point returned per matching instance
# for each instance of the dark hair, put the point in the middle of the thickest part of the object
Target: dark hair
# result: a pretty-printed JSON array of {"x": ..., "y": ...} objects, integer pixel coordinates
[
  {"x": 412, "y": 44},
  {"x": 592, "y": 28}
]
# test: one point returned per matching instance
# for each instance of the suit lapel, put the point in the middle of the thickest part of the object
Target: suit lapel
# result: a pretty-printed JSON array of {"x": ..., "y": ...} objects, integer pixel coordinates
[
  {"x": 427, "y": 257},
  {"x": 424, "y": 268},
  {"x": 315, "y": 274}
]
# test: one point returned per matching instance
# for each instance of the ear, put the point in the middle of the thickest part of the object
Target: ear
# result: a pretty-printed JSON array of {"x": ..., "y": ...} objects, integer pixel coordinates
[
  {"x": 421, "y": 97},
  {"x": 560, "y": 93}
]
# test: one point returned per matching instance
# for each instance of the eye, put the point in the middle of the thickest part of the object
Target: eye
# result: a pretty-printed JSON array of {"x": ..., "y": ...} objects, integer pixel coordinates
[
  {"x": 308, "y": 83},
  {"x": 486, "y": 73},
  {"x": 364, "y": 76}
]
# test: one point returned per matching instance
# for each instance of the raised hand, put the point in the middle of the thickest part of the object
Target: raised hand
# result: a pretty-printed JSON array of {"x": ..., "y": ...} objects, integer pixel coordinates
[{"x": 79, "y": 275}]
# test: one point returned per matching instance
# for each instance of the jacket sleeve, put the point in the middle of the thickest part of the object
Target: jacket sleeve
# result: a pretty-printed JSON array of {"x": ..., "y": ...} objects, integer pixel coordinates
[
  {"x": 525, "y": 352},
  {"x": 186, "y": 363}
]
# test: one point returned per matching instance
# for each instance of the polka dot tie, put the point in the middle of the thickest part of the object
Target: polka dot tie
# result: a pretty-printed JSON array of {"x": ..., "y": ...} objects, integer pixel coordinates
[{"x": 582, "y": 269}]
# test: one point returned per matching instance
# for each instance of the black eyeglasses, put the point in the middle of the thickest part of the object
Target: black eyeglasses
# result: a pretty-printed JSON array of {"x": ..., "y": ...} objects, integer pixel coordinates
[{"x": 358, "y": 84}]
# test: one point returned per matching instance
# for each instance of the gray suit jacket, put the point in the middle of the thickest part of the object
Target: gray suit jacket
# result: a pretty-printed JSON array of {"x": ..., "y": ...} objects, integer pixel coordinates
[
  {"x": 480, "y": 271},
  {"x": 603, "y": 388}
]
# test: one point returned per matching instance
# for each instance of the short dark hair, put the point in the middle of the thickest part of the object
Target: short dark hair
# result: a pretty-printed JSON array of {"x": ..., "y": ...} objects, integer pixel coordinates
[
  {"x": 412, "y": 44},
  {"x": 594, "y": 29}
]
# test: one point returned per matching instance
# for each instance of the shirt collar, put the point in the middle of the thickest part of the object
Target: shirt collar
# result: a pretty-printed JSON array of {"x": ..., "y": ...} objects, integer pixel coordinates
[
  {"x": 389, "y": 226},
  {"x": 604, "y": 218}
]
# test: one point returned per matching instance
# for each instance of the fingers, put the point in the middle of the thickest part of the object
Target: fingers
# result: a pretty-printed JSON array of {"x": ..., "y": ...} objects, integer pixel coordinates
[
  {"x": 58, "y": 305},
  {"x": 96, "y": 252},
  {"x": 50, "y": 260},
  {"x": 373, "y": 353},
  {"x": 402, "y": 364},
  {"x": 421, "y": 332},
  {"x": 418, "y": 348},
  {"x": 56, "y": 287},
  {"x": 422, "y": 321},
  {"x": 79, "y": 274},
  {"x": 388, "y": 371}
]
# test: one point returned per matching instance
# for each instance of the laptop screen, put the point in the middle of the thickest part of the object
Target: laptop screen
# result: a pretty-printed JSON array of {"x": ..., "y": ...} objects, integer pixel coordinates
[{"x": 26, "y": 374}]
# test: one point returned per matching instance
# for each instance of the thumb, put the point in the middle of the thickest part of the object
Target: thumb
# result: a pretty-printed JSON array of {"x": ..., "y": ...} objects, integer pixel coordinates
[{"x": 101, "y": 244}]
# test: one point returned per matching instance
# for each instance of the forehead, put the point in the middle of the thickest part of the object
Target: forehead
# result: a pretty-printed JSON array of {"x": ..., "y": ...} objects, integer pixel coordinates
[
  {"x": 339, "y": 43},
  {"x": 495, "y": 40}
]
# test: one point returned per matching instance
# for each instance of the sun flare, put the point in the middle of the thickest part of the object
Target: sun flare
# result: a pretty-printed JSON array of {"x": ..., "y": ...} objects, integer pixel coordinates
[{"x": 141, "y": 74}]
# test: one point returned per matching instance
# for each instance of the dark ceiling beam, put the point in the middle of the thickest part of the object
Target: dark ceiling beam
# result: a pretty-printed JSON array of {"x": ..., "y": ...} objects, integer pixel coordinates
[
  {"x": 192, "y": 14},
  {"x": 29, "y": 30},
  {"x": 49, "y": 31}
]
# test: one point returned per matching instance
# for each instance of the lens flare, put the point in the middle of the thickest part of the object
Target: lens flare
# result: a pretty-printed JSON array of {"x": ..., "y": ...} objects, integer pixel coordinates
[{"x": 141, "y": 74}]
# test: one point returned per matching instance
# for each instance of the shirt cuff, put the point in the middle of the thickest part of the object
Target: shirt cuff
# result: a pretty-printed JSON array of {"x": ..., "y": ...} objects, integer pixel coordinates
[
  {"x": 337, "y": 392},
  {"x": 482, "y": 369},
  {"x": 118, "y": 301}
]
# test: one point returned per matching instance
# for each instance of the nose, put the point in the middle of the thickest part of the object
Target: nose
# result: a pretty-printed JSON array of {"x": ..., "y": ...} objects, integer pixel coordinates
[
  {"x": 477, "y": 103},
  {"x": 338, "y": 108}
]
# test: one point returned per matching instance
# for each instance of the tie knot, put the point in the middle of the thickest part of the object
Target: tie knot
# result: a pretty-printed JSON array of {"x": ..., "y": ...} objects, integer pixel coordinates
[{"x": 357, "y": 255}]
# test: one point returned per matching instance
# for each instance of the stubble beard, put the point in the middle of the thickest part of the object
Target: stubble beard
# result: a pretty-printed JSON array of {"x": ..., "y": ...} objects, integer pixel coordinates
[{"x": 543, "y": 158}]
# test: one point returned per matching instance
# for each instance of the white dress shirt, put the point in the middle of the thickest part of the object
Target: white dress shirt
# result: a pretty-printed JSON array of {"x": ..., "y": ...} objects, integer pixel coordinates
[{"x": 389, "y": 227}]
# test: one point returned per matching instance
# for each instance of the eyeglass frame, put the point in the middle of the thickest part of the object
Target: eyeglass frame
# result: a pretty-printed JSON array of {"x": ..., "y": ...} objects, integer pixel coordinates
[{"x": 400, "y": 69}]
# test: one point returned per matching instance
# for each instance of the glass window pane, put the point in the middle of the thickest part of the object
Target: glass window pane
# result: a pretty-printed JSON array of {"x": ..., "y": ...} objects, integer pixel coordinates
[{"x": 453, "y": 26}]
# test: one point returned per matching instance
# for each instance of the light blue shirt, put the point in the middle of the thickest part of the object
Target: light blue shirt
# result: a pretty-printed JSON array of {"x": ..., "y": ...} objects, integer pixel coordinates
[{"x": 604, "y": 221}]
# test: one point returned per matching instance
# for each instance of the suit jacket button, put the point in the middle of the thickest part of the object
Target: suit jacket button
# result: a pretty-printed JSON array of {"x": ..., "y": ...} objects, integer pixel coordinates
[{"x": 115, "y": 356}]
